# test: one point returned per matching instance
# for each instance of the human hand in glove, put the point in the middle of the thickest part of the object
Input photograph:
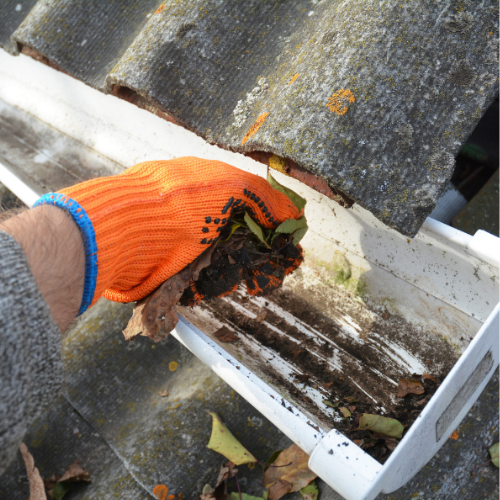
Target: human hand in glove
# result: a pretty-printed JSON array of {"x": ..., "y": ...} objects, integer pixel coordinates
[{"x": 146, "y": 224}]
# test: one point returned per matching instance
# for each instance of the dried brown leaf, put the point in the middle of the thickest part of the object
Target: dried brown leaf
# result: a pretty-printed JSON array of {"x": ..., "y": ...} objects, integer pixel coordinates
[
  {"x": 227, "y": 471},
  {"x": 75, "y": 474},
  {"x": 51, "y": 481},
  {"x": 352, "y": 408},
  {"x": 219, "y": 491},
  {"x": 279, "y": 489},
  {"x": 155, "y": 316},
  {"x": 408, "y": 386},
  {"x": 390, "y": 442},
  {"x": 224, "y": 334},
  {"x": 428, "y": 376},
  {"x": 261, "y": 316},
  {"x": 163, "y": 394},
  {"x": 328, "y": 385},
  {"x": 37, "y": 488},
  {"x": 295, "y": 472},
  {"x": 295, "y": 354},
  {"x": 421, "y": 402}
]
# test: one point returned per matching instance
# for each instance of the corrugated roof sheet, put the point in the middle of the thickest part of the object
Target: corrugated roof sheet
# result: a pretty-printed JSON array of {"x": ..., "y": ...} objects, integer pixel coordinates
[{"x": 374, "y": 97}]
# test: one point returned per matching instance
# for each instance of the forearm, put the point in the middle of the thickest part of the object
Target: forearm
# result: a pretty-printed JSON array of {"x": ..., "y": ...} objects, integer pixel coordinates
[
  {"x": 53, "y": 246},
  {"x": 30, "y": 349}
]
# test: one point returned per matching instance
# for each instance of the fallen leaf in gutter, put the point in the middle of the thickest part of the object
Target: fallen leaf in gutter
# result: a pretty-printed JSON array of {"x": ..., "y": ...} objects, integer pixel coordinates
[
  {"x": 428, "y": 376},
  {"x": 345, "y": 412},
  {"x": 278, "y": 489},
  {"x": 330, "y": 404},
  {"x": 37, "y": 487},
  {"x": 58, "y": 486},
  {"x": 293, "y": 474},
  {"x": 75, "y": 474},
  {"x": 296, "y": 354},
  {"x": 494, "y": 454},
  {"x": 386, "y": 426},
  {"x": 161, "y": 304},
  {"x": 390, "y": 442},
  {"x": 328, "y": 385},
  {"x": 310, "y": 492},
  {"x": 421, "y": 402},
  {"x": 219, "y": 492},
  {"x": 222, "y": 441},
  {"x": 207, "y": 490},
  {"x": 261, "y": 316},
  {"x": 408, "y": 386},
  {"x": 352, "y": 408},
  {"x": 224, "y": 334}
]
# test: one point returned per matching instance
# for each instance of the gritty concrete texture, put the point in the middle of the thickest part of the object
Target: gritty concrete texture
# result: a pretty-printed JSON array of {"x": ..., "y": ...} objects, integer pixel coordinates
[{"x": 374, "y": 97}]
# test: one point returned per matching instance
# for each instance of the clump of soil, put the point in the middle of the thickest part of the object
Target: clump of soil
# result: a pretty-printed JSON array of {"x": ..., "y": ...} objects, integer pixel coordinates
[{"x": 217, "y": 272}]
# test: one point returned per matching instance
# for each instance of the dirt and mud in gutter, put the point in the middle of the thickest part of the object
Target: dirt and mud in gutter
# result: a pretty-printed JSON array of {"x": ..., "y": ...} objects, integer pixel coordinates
[{"x": 325, "y": 350}]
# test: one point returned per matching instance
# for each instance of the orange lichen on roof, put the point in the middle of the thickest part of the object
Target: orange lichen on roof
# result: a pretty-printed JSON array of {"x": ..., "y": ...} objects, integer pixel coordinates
[
  {"x": 339, "y": 102},
  {"x": 160, "y": 8},
  {"x": 454, "y": 435},
  {"x": 160, "y": 491},
  {"x": 294, "y": 77},
  {"x": 253, "y": 129}
]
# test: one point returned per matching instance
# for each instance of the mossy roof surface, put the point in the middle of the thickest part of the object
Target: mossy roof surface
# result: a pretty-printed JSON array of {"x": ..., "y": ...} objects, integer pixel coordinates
[
  {"x": 112, "y": 418},
  {"x": 375, "y": 97}
]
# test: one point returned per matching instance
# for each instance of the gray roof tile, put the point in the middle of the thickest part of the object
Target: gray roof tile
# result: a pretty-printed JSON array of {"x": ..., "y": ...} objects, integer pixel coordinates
[{"x": 376, "y": 99}]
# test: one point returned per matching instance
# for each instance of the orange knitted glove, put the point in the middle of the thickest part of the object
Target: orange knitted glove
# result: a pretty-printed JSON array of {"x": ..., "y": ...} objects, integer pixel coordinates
[{"x": 145, "y": 225}]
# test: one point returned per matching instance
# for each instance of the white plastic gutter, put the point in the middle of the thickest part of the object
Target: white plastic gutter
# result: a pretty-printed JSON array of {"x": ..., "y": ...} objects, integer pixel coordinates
[
  {"x": 18, "y": 187},
  {"x": 336, "y": 459}
]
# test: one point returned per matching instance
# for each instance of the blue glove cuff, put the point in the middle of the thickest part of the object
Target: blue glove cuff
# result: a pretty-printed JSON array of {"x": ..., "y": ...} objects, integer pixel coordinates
[{"x": 84, "y": 223}]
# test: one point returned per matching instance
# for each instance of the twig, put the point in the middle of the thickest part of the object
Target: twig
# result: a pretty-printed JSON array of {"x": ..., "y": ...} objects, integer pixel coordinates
[
  {"x": 238, "y": 485},
  {"x": 269, "y": 465},
  {"x": 285, "y": 245}
]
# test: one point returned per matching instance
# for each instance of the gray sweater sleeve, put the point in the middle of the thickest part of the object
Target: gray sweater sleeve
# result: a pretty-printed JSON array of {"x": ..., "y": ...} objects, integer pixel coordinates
[{"x": 30, "y": 350}]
